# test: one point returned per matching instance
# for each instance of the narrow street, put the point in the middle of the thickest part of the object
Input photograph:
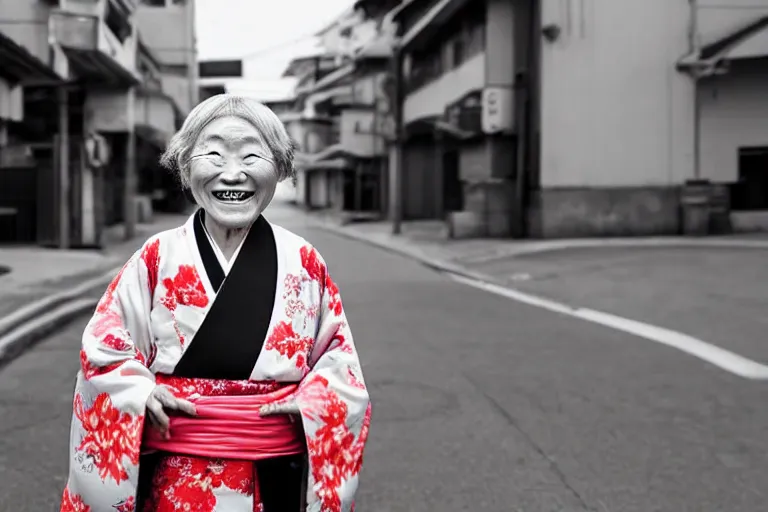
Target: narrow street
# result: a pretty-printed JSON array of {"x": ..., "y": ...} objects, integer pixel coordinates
[{"x": 480, "y": 404}]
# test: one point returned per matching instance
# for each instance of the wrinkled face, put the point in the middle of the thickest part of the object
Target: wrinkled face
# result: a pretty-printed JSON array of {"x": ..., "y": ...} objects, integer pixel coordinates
[{"x": 232, "y": 173}]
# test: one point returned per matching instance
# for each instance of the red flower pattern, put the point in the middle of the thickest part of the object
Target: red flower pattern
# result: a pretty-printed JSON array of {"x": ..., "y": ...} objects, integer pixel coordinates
[
  {"x": 106, "y": 322},
  {"x": 334, "y": 452},
  {"x": 312, "y": 263},
  {"x": 72, "y": 503},
  {"x": 90, "y": 371},
  {"x": 151, "y": 257},
  {"x": 189, "y": 483},
  {"x": 106, "y": 300},
  {"x": 110, "y": 436},
  {"x": 187, "y": 388},
  {"x": 184, "y": 289},
  {"x": 284, "y": 340},
  {"x": 334, "y": 298},
  {"x": 127, "y": 505}
]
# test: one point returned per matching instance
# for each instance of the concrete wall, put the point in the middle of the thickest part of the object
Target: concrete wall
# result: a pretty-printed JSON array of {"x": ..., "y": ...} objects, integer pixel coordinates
[
  {"x": 108, "y": 111},
  {"x": 181, "y": 89},
  {"x": 11, "y": 102},
  {"x": 615, "y": 112},
  {"x": 431, "y": 99},
  {"x": 734, "y": 114},
  {"x": 168, "y": 31},
  {"x": 30, "y": 28},
  {"x": 156, "y": 112},
  {"x": 716, "y": 18},
  {"x": 357, "y": 128}
]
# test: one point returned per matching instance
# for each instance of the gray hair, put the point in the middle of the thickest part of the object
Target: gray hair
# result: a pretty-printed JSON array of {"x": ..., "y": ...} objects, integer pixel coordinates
[{"x": 179, "y": 151}]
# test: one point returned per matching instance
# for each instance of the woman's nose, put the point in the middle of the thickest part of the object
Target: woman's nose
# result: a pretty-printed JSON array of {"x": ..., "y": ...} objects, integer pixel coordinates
[{"x": 232, "y": 174}]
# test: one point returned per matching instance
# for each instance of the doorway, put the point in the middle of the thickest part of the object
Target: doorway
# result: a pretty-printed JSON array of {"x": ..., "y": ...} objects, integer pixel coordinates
[
  {"x": 453, "y": 193},
  {"x": 750, "y": 192}
]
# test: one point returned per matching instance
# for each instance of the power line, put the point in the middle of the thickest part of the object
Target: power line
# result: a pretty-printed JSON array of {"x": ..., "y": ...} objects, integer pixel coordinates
[
  {"x": 270, "y": 49},
  {"x": 299, "y": 39}
]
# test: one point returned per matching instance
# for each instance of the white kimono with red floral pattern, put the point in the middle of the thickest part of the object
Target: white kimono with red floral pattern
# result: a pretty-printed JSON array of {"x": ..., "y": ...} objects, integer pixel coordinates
[{"x": 143, "y": 324}]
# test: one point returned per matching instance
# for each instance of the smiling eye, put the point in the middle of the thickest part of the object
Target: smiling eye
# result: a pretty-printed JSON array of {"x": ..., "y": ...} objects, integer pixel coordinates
[
  {"x": 213, "y": 153},
  {"x": 251, "y": 157}
]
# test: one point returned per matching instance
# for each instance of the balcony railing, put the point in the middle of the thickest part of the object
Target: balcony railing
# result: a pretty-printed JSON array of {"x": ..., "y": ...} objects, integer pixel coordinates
[
  {"x": 75, "y": 31},
  {"x": 90, "y": 40}
]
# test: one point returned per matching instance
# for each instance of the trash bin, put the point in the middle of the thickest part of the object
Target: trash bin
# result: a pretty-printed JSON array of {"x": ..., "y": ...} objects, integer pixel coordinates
[{"x": 696, "y": 211}]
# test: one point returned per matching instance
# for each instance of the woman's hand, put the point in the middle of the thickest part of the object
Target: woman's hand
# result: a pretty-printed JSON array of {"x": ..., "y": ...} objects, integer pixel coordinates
[
  {"x": 162, "y": 400},
  {"x": 287, "y": 407}
]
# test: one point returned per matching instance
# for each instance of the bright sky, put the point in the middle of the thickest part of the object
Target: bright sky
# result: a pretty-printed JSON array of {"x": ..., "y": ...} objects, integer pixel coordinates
[{"x": 272, "y": 31}]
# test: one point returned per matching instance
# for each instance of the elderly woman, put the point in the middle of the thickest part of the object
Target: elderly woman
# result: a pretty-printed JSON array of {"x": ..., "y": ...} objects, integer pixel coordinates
[{"x": 226, "y": 339}]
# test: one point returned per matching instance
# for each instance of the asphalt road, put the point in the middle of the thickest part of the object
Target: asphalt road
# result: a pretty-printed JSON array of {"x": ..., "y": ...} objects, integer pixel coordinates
[{"x": 480, "y": 404}]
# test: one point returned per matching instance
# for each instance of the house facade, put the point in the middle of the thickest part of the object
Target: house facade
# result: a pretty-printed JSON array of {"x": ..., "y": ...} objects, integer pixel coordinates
[
  {"x": 73, "y": 155},
  {"x": 601, "y": 115}
]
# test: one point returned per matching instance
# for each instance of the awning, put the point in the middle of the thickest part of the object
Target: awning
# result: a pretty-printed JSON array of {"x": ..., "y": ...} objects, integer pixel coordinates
[
  {"x": 430, "y": 125},
  {"x": 429, "y": 24},
  {"x": 334, "y": 78},
  {"x": 749, "y": 42},
  {"x": 344, "y": 91},
  {"x": 153, "y": 136},
  {"x": 336, "y": 164},
  {"x": 18, "y": 65}
]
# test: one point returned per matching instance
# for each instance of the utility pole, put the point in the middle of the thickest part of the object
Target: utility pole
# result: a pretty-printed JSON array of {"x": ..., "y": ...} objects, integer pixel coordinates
[
  {"x": 192, "y": 65},
  {"x": 129, "y": 190},
  {"x": 63, "y": 167},
  {"x": 397, "y": 175}
]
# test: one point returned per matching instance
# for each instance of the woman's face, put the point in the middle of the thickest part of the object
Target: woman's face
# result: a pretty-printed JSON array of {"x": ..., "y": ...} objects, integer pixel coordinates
[{"x": 232, "y": 173}]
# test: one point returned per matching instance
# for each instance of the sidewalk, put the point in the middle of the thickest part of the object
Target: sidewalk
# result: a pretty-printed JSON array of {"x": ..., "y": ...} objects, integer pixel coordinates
[
  {"x": 711, "y": 288},
  {"x": 37, "y": 272}
]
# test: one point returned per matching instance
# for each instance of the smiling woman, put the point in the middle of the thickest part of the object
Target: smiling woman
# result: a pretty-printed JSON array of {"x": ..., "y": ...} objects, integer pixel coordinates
[{"x": 228, "y": 334}]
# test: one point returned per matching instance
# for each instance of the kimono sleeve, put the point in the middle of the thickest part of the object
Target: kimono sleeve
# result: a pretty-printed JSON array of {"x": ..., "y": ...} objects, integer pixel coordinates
[
  {"x": 111, "y": 392},
  {"x": 335, "y": 408}
]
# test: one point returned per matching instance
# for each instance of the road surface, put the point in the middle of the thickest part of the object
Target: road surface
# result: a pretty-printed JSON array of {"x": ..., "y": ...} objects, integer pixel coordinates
[{"x": 480, "y": 404}]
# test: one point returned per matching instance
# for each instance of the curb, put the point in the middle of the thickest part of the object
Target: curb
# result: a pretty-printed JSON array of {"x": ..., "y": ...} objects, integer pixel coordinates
[
  {"x": 27, "y": 325},
  {"x": 546, "y": 246},
  {"x": 38, "y": 307},
  {"x": 26, "y": 336},
  {"x": 429, "y": 262}
]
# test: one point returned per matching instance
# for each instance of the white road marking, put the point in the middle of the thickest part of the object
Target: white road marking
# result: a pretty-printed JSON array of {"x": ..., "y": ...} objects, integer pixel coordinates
[{"x": 717, "y": 356}]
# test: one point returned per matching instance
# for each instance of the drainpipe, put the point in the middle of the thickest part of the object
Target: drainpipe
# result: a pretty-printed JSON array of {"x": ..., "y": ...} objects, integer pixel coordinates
[
  {"x": 398, "y": 188},
  {"x": 192, "y": 65},
  {"x": 695, "y": 48}
]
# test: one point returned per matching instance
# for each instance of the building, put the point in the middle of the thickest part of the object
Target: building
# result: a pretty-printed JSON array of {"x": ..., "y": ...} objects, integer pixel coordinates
[
  {"x": 459, "y": 141},
  {"x": 103, "y": 106},
  {"x": 346, "y": 113},
  {"x": 216, "y": 74},
  {"x": 168, "y": 28},
  {"x": 92, "y": 47},
  {"x": 560, "y": 119}
]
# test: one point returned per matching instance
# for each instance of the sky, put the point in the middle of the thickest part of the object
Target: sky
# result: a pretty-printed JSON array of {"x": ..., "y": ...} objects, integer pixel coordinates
[{"x": 267, "y": 34}]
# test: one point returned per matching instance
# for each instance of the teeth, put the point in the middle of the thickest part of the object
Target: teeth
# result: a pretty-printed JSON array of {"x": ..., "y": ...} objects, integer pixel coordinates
[{"x": 231, "y": 195}]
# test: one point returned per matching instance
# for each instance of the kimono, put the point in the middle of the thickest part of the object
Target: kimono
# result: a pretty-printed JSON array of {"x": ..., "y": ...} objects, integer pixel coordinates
[{"x": 178, "y": 314}]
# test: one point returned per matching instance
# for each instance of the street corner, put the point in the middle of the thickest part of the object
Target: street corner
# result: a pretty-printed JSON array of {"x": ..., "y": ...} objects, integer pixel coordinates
[{"x": 715, "y": 293}]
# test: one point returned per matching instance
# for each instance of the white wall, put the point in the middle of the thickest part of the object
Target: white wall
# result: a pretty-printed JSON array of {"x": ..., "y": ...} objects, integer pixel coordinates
[
  {"x": 167, "y": 31},
  {"x": 31, "y": 30},
  {"x": 431, "y": 99},
  {"x": 11, "y": 102},
  {"x": 734, "y": 114},
  {"x": 357, "y": 128},
  {"x": 718, "y": 18},
  {"x": 615, "y": 112}
]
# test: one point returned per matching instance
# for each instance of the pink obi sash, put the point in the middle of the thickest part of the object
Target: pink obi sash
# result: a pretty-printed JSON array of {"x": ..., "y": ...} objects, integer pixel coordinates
[{"x": 228, "y": 424}]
